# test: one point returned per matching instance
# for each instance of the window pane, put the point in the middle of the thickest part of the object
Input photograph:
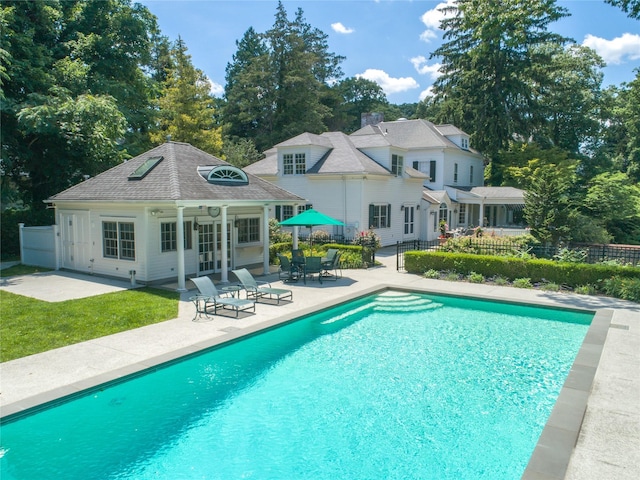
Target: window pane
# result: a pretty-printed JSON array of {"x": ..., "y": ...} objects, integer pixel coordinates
[
  {"x": 287, "y": 162},
  {"x": 127, "y": 241},
  {"x": 110, "y": 239},
  {"x": 168, "y": 237},
  {"x": 300, "y": 163}
]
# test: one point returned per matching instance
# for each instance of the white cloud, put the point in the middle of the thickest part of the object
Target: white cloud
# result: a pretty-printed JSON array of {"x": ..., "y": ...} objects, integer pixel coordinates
[
  {"x": 421, "y": 66},
  {"x": 340, "y": 28},
  {"x": 431, "y": 19},
  {"x": 388, "y": 84},
  {"x": 216, "y": 89},
  {"x": 426, "y": 93},
  {"x": 616, "y": 51}
]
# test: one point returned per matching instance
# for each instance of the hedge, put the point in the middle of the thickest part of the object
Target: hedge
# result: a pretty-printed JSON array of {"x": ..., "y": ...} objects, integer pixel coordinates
[{"x": 569, "y": 274}]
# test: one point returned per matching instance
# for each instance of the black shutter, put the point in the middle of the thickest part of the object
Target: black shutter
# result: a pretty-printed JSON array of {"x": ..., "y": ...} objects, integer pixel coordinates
[
  {"x": 415, "y": 165},
  {"x": 279, "y": 213},
  {"x": 389, "y": 216}
]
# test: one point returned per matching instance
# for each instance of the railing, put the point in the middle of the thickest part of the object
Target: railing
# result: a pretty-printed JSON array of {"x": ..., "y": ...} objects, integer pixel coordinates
[{"x": 595, "y": 253}]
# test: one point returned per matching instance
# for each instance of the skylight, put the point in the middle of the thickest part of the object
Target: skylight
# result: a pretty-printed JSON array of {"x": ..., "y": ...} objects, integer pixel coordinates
[{"x": 144, "y": 168}]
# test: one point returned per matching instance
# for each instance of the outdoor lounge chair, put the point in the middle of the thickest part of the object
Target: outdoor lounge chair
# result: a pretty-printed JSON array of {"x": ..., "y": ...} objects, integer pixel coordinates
[
  {"x": 256, "y": 290},
  {"x": 329, "y": 265},
  {"x": 209, "y": 296}
]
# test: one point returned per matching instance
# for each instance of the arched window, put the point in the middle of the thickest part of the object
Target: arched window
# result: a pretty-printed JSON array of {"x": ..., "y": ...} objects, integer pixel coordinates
[
  {"x": 442, "y": 213},
  {"x": 224, "y": 175}
]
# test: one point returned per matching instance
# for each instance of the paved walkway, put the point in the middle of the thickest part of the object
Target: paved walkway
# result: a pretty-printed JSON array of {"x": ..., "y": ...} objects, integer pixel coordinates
[{"x": 608, "y": 445}]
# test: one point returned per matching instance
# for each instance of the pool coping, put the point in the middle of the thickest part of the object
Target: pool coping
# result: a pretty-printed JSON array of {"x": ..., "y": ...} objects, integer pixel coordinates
[{"x": 555, "y": 446}]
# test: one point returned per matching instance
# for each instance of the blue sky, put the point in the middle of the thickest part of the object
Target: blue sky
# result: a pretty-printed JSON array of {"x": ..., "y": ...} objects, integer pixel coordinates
[{"x": 387, "y": 41}]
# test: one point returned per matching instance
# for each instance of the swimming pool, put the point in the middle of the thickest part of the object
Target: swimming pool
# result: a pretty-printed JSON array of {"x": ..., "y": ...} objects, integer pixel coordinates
[{"x": 396, "y": 385}]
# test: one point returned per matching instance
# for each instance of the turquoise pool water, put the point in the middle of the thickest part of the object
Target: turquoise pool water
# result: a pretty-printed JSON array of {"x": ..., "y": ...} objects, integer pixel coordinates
[{"x": 391, "y": 386}]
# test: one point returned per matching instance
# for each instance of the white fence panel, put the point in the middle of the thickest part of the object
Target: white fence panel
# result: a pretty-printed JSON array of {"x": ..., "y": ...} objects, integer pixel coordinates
[{"x": 39, "y": 246}]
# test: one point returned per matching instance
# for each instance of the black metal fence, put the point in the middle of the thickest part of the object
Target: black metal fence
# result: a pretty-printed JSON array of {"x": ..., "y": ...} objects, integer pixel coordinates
[{"x": 589, "y": 253}]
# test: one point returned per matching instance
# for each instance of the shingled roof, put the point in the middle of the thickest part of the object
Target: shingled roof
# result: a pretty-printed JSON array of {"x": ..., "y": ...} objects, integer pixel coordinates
[
  {"x": 342, "y": 157},
  {"x": 174, "y": 178}
]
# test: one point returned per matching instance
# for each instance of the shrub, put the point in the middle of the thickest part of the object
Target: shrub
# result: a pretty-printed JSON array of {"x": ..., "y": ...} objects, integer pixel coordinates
[
  {"x": 571, "y": 256},
  {"x": 431, "y": 273},
  {"x": 522, "y": 283},
  {"x": 585, "y": 290},
  {"x": 451, "y": 276},
  {"x": 320, "y": 236},
  {"x": 550, "y": 287},
  {"x": 474, "y": 277},
  {"x": 500, "y": 280},
  {"x": 625, "y": 288}
]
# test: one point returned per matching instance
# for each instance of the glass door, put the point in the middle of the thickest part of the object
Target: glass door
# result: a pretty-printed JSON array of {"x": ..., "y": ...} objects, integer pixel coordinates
[{"x": 205, "y": 248}]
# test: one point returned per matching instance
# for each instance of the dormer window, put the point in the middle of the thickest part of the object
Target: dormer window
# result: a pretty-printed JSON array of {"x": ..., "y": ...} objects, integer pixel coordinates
[
  {"x": 294, "y": 164},
  {"x": 397, "y": 164},
  {"x": 223, "y": 175},
  {"x": 465, "y": 143}
]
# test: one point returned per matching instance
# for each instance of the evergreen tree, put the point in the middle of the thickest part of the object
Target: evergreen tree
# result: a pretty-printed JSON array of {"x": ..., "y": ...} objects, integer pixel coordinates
[
  {"x": 547, "y": 206},
  {"x": 187, "y": 106},
  {"x": 277, "y": 85},
  {"x": 488, "y": 87},
  {"x": 249, "y": 91}
]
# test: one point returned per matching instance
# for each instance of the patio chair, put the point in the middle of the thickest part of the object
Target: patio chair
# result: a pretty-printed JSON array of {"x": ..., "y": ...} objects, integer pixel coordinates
[
  {"x": 330, "y": 265},
  {"x": 255, "y": 289},
  {"x": 209, "y": 296},
  {"x": 287, "y": 271},
  {"x": 313, "y": 265}
]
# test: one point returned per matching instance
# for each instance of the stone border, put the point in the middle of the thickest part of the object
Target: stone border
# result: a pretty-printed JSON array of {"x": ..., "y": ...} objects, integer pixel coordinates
[{"x": 559, "y": 437}]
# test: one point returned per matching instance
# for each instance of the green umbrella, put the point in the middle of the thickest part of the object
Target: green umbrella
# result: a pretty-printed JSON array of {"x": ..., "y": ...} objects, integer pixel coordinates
[{"x": 310, "y": 218}]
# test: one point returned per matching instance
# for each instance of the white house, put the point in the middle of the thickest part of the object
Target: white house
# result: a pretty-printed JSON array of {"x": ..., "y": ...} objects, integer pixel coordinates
[
  {"x": 126, "y": 222},
  {"x": 361, "y": 180},
  {"x": 400, "y": 178}
]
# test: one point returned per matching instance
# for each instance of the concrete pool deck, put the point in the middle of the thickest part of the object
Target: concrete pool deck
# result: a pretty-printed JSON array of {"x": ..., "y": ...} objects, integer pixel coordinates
[{"x": 608, "y": 442}]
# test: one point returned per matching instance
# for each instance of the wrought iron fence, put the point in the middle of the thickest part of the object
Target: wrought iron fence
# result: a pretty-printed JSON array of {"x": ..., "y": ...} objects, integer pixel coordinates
[{"x": 593, "y": 253}]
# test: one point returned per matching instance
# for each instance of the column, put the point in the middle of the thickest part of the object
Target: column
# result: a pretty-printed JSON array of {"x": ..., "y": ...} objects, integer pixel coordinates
[
  {"x": 180, "y": 249},
  {"x": 265, "y": 239},
  {"x": 224, "y": 257}
]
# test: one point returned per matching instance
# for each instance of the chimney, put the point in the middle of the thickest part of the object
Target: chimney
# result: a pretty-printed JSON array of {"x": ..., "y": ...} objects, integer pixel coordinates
[{"x": 371, "y": 118}]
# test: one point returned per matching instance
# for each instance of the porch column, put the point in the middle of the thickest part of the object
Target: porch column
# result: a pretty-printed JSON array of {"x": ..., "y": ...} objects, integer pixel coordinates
[
  {"x": 265, "y": 239},
  {"x": 180, "y": 249},
  {"x": 224, "y": 257},
  {"x": 481, "y": 215}
]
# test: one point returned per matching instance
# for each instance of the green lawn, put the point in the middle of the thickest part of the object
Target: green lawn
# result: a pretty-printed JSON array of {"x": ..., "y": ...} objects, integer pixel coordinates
[{"x": 29, "y": 326}]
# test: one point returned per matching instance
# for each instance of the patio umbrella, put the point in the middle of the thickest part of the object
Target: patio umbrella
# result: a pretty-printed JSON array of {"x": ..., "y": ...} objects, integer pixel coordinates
[{"x": 310, "y": 218}]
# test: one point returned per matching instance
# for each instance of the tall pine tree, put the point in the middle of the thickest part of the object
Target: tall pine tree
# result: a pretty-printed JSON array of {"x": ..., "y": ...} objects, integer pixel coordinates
[{"x": 187, "y": 106}]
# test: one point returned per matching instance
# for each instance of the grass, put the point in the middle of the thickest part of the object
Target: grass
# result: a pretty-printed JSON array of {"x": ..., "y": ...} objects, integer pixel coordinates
[
  {"x": 32, "y": 326},
  {"x": 22, "y": 270}
]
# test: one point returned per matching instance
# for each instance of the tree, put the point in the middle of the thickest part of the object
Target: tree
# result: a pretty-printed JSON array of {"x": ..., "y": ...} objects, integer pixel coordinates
[
  {"x": 547, "y": 206},
  {"x": 631, "y": 7},
  {"x": 187, "y": 106},
  {"x": 567, "y": 98},
  {"x": 615, "y": 200},
  {"x": 488, "y": 86},
  {"x": 249, "y": 91},
  {"x": 278, "y": 82},
  {"x": 240, "y": 152},
  {"x": 358, "y": 96},
  {"x": 73, "y": 71}
]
